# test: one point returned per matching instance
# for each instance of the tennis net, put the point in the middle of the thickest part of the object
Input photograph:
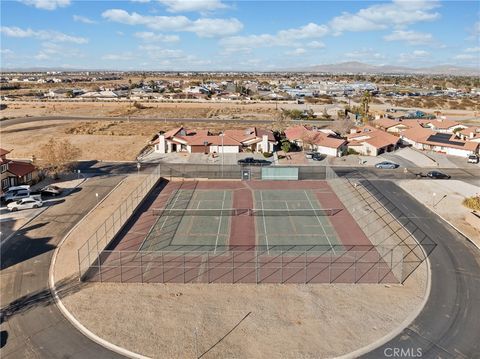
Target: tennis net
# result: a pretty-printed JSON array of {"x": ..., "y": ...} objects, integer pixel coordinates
[{"x": 167, "y": 212}]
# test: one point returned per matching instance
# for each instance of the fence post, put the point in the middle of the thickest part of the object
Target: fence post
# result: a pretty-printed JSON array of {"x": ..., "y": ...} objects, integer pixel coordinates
[
  {"x": 79, "y": 265},
  {"x": 141, "y": 265},
  {"x": 183, "y": 255},
  {"x": 378, "y": 270},
  {"x": 355, "y": 267},
  {"x": 121, "y": 268},
  {"x": 163, "y": 268},
  {"x": 306, "y": 279},
  {"x": 257, "y": 269},
  {"x": 281, "y": 265},
  {"x": 330, "y": 267},
  {"x": 208, "y": 267},
  {"x": 99, "y": 267},
  {"x": 233, "y": 267}
]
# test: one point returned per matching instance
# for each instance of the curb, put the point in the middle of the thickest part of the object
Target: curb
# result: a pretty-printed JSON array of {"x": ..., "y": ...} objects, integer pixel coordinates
[
  {"x": 69, "y": 316},
  {"x": 457, "y": 229}
]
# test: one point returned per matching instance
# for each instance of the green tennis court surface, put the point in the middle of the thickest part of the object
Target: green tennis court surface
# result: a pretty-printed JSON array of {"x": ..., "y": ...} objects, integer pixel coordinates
[
  {"x": 292, "y": 230},
  {"x": 175, "y": 232}
]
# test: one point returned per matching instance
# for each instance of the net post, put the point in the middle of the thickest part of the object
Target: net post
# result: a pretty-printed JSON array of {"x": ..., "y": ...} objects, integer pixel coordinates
[
  {"x": 208, "y": 267},
  {"x": 79, "y": 265},
  {"x": 330, "y": 267},
  {"x": 183, "y": 255},
  {"x": 99, "y": 267}
]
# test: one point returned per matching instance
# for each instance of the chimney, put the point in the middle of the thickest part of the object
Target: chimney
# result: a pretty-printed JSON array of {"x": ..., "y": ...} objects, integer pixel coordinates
[
  {"x": 472, "y": 135},
  {"x": 160, "y": 147}
]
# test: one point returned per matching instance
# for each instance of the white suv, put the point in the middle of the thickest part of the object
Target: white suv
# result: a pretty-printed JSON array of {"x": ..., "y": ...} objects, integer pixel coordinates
[{"x": 25, "y": 203}]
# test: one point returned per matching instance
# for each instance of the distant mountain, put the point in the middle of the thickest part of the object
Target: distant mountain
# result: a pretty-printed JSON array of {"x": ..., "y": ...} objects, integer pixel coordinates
[{"x": 359, "y": 67}]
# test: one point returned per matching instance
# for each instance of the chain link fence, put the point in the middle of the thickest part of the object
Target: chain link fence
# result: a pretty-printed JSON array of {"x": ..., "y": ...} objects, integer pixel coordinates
[{"x": 337, "y": 264}]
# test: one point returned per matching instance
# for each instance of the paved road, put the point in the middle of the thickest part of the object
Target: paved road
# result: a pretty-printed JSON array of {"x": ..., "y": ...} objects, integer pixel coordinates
[
  {"x": 20, "y": 120},
  {"x": 448, "y": 326},
  {"x": 32, "y": 326}
]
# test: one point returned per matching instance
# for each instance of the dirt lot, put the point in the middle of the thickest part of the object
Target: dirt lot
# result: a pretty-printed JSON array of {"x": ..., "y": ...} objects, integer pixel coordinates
[{"x": 285, "y": 321}]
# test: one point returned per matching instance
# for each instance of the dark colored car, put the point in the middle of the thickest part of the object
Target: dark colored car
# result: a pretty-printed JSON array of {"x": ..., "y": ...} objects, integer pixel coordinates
[
  {"x": 437, "y": 175},
  {"x": 317, "y": 157},
  {"x": 253, "y": 162},
  {"x": 51, "y": 191},
  {"x": 386, "y": 164}
]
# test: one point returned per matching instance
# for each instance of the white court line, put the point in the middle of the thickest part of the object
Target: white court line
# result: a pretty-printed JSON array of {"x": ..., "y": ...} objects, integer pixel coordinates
[
  {"x": 219, "y": 223},
  {"x": 264, "y": 222},
  {"x": 320, "y": 222}
]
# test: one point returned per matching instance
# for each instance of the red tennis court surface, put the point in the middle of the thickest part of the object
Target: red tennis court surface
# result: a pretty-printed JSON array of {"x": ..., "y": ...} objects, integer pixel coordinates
[{"x": 245, "y": 248}]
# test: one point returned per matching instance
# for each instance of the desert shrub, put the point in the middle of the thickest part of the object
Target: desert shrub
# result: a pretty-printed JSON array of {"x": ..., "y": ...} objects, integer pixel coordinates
[
  {"x": 351, "y": 151},
  {"x": 472, "y": 203},
  {"x": 267, "y": 154}
]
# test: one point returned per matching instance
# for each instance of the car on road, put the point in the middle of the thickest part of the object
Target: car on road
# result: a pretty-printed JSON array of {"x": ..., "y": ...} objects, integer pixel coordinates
[
  {"x": 437, "y": 175},
  {"x": 253, "y": 162},
  {"x": 51, "y": 190},
  {"x": 25, "y": 203},
  {"x": 386, "y": 165},
  {"x": 473, "y": 159},
  {"x": 15, "y": 193}
]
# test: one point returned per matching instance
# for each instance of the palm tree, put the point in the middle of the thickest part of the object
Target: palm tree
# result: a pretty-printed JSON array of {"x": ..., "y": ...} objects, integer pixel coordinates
[{"x": 366, "y": 102}]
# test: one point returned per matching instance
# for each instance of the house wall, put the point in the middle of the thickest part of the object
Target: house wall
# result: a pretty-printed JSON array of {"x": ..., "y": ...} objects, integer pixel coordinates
[
  {"x": 364, "y": 149},
  {"x": 226, "y": 149},
  {"x": 327, "y": 151}
]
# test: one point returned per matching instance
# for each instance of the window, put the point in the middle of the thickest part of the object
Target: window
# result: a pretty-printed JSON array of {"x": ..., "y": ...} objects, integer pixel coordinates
[
  {"x": 4, "y": 168},
  {"x": 5, "y": 183}
]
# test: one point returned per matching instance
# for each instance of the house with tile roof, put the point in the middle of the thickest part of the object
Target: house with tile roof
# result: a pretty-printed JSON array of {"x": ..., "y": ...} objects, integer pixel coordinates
[
  {"x": 471, "y": 133},
  {"x": 369, "y": 141},
  {"x": 14, "y": 173},
  {"x": 318, "y": 141},
  {"x": 202, "y": 141},
  {"x": 448, "y": 143}
]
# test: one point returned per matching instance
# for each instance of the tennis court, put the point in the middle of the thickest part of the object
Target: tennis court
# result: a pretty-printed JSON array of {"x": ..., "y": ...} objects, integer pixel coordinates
[
  {"x": 186, "y": 221},
  {"x": 301, "y": 220}
]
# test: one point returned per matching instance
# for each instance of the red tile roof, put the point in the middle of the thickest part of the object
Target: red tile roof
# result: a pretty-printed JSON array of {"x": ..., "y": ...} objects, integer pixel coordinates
[
  {"x": 4, "y": 152},
  {"x": 374, "y": 137},
  {"x": 20, "y": 169}
]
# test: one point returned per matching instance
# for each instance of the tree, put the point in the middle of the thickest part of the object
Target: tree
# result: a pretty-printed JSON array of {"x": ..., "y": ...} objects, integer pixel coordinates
[
  {"x": 366, "y": 98},
  {"x": 281, "y": 121},
  {"x": 69, "y": 93},
  {"x": 310, "y": 138},
  {"x": 343, "y": 126},
  {"x": 286, "y": 146},
  {"x": 58, "y": 156}
]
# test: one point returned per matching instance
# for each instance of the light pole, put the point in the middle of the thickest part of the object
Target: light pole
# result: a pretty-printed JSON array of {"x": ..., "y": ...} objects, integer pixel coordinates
[
  {"x": 223, "y": 134},
  {"x": 96, "y": 196}
]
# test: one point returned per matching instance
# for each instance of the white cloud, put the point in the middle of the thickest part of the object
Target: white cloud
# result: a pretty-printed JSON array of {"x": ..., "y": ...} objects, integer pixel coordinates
[
  {"x": 6, "y": 52},
  {"x": 316, "y": 44},
  {"x": 411, "y": 37},
  {"x": 364, "y": 54},
  {"x": 50, "y": 50},
  {"x": 83, "y": 19},
  {"x": 157, "y": 52},
  {"x": 49, "y": 35},
  {"x": 381, "y": 16},
  {"x": 472, "y": 49},
  {"x": 465, "y": 57},
  {"x": 417, "y": 55},
  {"x": 203, "y": 27},
  {"x": 140, "y": 1},
  {"x": 148, "y": 36},
  {"x": 289, "y": 37},
  {"x": 46, "y": 4},
  {"x": 297, "y": 52},
  {"x": 189, "y": 5},
  {"x": 125, "y": 56}
]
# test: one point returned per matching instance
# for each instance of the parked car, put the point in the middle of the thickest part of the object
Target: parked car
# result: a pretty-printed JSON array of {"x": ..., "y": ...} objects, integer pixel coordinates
[
  {"x": 309, "y": 155},
  {"x": 51, "y": 190},
  {"x": 387, "y": 165},
  {"x": 317, "y": 157},
  {"x": 15, "y": 193},
  {"x": 25, "y": 203},
  {"x": 253, "y": 162},
  {"x": 473, "y": 159},
  {"x": 437, "y": 175}
]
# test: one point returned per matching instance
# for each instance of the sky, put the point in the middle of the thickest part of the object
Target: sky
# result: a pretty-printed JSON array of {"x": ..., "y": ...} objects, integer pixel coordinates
[{"x": 217, "y": 35}]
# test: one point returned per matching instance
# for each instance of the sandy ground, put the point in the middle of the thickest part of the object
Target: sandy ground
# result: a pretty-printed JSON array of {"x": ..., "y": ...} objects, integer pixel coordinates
[
  {"x": 285, "y": 321},
  {"x": 183, "y": 109},
  {"x": 445, "y": 198}
]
